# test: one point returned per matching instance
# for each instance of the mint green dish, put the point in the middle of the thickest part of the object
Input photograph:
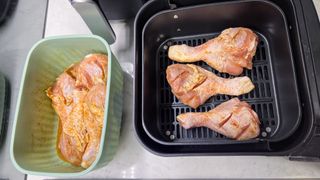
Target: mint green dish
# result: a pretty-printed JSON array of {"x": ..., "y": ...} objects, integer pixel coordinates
[{"x": 34, "y": 136}]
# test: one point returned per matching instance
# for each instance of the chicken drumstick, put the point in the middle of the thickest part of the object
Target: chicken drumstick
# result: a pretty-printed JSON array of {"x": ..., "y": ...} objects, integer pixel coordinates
[
  {"x": 234, "y": 119},
  {"x": 230, "y": 52},
  {"x": 193, "y": 85}
]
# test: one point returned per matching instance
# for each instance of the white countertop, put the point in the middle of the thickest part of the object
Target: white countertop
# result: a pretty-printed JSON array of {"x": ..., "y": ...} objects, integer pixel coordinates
[
  {"x": 317, "y": 5},
  {"x": 132, "y": 160}
]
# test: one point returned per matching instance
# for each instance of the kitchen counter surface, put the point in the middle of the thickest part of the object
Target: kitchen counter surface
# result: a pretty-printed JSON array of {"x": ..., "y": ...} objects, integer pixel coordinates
[
  {"x": 132, "y": 160},
  {"x": 22, "y": 28}
]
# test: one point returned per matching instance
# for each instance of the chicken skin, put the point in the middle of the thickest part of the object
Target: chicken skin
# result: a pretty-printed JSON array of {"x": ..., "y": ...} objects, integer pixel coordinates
[
  {"x": 78, "y": 97},
  {"x": 230, "y": 52},
  {"x": 193, "y": 85},
  {"x": 233, "y": 118}
]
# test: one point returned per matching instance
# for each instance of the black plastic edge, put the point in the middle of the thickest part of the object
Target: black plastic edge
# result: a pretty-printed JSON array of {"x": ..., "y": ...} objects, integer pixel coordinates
[
  {"x": 141, "y": 17},
  {"x": 3, "y": 14},
  {"x": 310, "y": 149}
]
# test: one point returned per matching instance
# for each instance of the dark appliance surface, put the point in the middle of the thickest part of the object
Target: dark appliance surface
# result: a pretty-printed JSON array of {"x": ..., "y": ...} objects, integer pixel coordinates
[
  {"x": 298, "y": 62},
  {"x": 120, "y": 9},
  {"x": 4, "y": 7},
  {"x": 276, "y": 103}
]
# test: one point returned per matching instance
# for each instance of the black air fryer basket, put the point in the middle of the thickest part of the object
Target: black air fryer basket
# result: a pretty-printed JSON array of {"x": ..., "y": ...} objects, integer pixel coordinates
[{"x": 281, "y": 96}]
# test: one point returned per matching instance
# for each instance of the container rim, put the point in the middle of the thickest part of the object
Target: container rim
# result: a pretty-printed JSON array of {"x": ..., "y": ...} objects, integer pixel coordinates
[{"x": 102, "y": 140}]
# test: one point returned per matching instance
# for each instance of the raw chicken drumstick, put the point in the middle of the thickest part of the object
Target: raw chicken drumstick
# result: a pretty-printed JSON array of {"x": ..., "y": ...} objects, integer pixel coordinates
[
  {"x": 230, "y": 52},
  {"x": 234, "y": 119},
  {"x": 193, "y": 85}
]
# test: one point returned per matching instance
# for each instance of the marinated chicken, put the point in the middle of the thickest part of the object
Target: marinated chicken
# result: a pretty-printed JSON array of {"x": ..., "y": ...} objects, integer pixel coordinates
[
  {"x": 230, "y": 52},
  {"x": 193, "y": 85},
  {"x": 234, "y": 119},
  {"x": 78, "y": 97}
]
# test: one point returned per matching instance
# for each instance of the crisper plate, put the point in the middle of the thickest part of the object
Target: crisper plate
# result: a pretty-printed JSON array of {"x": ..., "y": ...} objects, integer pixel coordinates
[{"x": 262, "y": 99}]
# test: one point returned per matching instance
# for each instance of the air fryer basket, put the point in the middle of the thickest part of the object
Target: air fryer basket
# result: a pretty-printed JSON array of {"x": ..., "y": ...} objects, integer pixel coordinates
[{"x": 275, "y": 97}]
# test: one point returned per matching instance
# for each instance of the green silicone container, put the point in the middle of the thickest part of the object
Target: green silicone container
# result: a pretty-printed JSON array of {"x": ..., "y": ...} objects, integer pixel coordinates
[{"x": 34, "y": 136}]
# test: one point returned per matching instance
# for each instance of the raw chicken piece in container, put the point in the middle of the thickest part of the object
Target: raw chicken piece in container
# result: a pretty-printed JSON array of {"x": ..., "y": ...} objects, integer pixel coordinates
[{"x": 78, "y": 97}]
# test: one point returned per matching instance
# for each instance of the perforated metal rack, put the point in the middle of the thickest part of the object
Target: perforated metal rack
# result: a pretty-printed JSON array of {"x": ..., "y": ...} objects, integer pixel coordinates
[{"x": 262, "y": 99}]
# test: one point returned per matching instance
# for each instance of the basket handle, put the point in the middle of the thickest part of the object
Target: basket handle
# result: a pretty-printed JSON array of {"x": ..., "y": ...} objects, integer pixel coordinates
[{"x": 95, "y": 19}]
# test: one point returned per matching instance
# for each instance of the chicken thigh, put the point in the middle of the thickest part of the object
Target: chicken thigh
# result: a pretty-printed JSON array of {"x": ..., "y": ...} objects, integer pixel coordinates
[{"x": 78, "y": 97}]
